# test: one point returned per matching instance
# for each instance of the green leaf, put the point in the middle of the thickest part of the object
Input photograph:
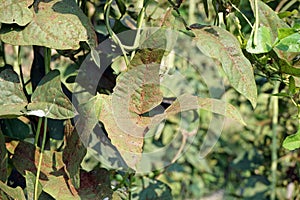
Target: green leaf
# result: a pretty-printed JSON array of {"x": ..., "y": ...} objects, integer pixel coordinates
[
  {"x": 15, "y": 193},
  {"x": 221, "y": 45},
  {"x": 57, "y": 24},
  {"x": 13, "y": 99},
  {"x": 290, "y": 43},
  {"x": 292, "y": 142},
  {"x": 189, "y": 102},
  {"x": 284, "y": 32},
  {"x": 16, "y": 11},
  {"x": 48, "y": 100},
  {"x": 264, "y": 41},
  {"x": 269, "y": 18},
  {"x": 292, "y": 85},
  {"x": 3, "y": 158},
  {"x": 30, "y": 185},
  {"x": 121, "y": 6}
]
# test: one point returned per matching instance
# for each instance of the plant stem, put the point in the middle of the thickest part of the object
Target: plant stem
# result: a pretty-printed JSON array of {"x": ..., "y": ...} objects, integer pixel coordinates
[
  {"x": 255, "y": 39},
  {"x": 274, "y": 141},
  {"x": 47, "y": 55},
  {"x": 288, "y": 5},
  {"x": 37, "y": 135},
  {"x": 111, "y": 33},
  {"x": 21, "y": 73},
  {"x": 192, "y": 12},
  {"x": 40, "y": 161}
]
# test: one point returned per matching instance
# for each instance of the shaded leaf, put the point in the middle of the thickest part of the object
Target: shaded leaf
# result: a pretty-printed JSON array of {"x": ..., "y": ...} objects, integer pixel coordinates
[
  {"x": 3, "y": 158},
  {"x": 73, "y": 155},
  {"x": 26, "y": 157},
  {"x": 219, "y": 44},
  {"x": 284, "y": 32},
  {"x": 189, "y": 102},
  {"x": 48, "y": 100},
  {"x": 57, "y": 24},
  {"x": 13, "y": 99},
  {"x": 30, "y": 185},
  {"x": 264, "y": 41},
  {"x": 91, "y": 111},
  {"x": 15, "y": 128},
  {"x": 292, "y": 142},
  {"x": 152, "y": 189},
  {"x": 16, "y": 11},
  {"x": 95, "y": 185},
  {"x": 15, "y": 193}
]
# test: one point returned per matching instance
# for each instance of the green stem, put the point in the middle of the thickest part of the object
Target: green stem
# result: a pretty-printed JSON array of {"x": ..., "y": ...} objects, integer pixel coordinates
[
  {"x": 192, "y": 11},
  {"x": 21, "y": 73},
  {"x": 274, "y": 141},
  {"x": 47, "y": 53},
  {"x": 111, "y": 33},
  {"x": 288, "y": 5},
  {"x": 244, "y": 16},
  {"x": 37, "y": 135},
  {"x": 255, "y": 39},
  {"x": 40, "y": 162}
]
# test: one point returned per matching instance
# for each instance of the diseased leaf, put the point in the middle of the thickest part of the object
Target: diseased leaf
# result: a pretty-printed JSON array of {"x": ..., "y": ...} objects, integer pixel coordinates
[
  {"x": 91, "y": 111},
  {"x": 292, "y": 142},
  {"x": 13, "y": 99},
  {"x": 189, "y": 102},
  {"x": 57, "y": 24},
  {"x": 73, "y": 155},
  {"x": 16, "y": 11},
  {"x": 30, "y": 185},
  {"x": 126, "y": 135},
  {"x": 264, "y": 41},
  {"x": 58, "y": 188},
  {"x": 48, "y": 100},
  {"x": 219, "y": 44},
  {"x": 95, "y": 185},
  {"x": 15, "y": 193},
  {"x": 26, "y": 157},
  {"x": 290, "y": 43}
]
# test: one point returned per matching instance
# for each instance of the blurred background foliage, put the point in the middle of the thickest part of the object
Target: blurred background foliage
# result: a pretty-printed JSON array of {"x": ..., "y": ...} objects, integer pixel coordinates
[{"x": 239, "y": 165}]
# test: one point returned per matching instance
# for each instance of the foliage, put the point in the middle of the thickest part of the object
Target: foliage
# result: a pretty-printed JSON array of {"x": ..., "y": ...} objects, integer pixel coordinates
[{"x": 109, "y": 67}]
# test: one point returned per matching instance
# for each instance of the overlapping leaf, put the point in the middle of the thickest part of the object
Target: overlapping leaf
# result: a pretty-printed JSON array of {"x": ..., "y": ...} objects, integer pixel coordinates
[
  {"x": 16, "y": 11},
  {"x": 58, "y": 24},
  {"x": 14, "y": 193},
  {"x": 224, "y": 47},
  {"x": 48, "y": 100},
  {"x": 13, "y": 99}
]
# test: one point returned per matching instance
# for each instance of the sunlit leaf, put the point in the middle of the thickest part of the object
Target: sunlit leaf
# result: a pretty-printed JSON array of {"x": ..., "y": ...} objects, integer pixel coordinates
[
  {"x": 290, "y": 43},
  {"x": 30, "y": 185},
  {"x": 48, "y": 100},
  {"x": 13, "y": 99},
  {"x": 15, "y": 193},
  {"x": 292, "y": 142},
  {"x": 16, "y": 11},
  {"x": 57, "y": 24},
  {"x": 219, "y": 44},
  {"x": 58, "y": 188},
  {"x": 264, "y": 41},
  {"x": 189, "y": 102}
]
